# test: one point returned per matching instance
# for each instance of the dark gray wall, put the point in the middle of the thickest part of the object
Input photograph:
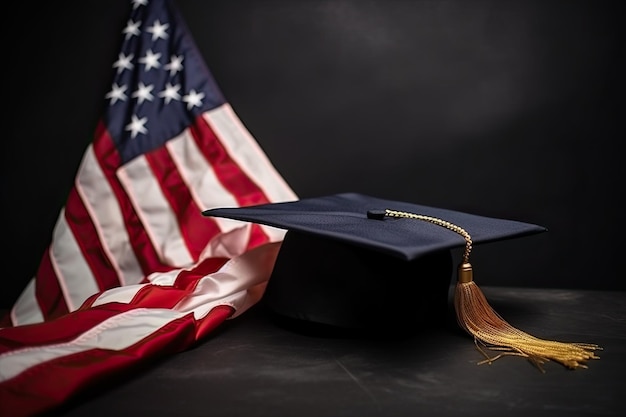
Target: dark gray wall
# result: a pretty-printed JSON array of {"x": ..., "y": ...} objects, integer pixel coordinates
[{"x": 508, "y": 109}]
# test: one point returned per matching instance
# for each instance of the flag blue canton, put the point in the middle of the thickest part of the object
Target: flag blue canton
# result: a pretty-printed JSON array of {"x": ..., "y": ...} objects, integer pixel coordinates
[{"x": 160, "y": 82}]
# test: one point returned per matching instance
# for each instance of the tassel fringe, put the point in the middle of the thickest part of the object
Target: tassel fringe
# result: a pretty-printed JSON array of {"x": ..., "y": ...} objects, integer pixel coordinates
[{"x": 492, "y": 332}]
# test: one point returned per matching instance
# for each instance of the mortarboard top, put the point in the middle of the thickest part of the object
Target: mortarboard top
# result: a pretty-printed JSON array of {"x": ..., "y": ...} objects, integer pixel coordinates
[
  {"x": 354, "y": 261},
  {"x": 344, "y": 217}
]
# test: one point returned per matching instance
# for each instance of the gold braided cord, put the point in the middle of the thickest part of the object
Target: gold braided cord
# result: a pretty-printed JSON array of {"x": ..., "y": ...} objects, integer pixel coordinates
[
  {"x": 439, "y": 222},
  {"x": 489, "y": 329}
]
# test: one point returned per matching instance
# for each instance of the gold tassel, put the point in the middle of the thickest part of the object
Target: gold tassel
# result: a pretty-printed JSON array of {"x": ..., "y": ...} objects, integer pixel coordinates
[
  {"x": 490, "y": 331},
  {"x": 477, "y": 317}
]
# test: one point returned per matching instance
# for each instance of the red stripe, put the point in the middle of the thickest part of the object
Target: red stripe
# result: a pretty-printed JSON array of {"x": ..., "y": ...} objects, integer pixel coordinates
[
  {"x": 212, "y": 320},
  {"x": 186, "y": 281},
  {"x": 89, "y": 301},
  {"x": 59, "y": 330},
  {"x": 40, "y": 389},
  {"x": 226, "y": 169},
  {"x": 196, "y": 229},
  {"x": 157, "y": 296},
  {"x": 257, "y": 236},
  {"x": 48, "y": 291},
  {"x": 86, "y": 235},
  {"x": 230, "y": 175},
  {"x": 189, "y": 278},
  {"x": 110, "y": 161}
]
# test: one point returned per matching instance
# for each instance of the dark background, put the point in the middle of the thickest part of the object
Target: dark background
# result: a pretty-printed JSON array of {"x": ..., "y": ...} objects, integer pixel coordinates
[{"x": 508, "y": 109}]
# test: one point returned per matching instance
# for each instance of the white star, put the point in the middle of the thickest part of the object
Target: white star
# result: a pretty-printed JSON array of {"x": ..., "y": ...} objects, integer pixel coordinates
[
  {"x": 151, "y": 60},
  {"x": 116, "y": 93},
  {"x": 123, "y": 62},
  {"x": 193, "y": 99},
  {"x": 175, "y": 64},
  {"x": 137, "y": 3},
  {"x": 137, "y": 126},
  {"x": 158, "y": 30},
  {"x": 170, "y": 93},
  {"x": 143, "y": 92},
  {"x": 132, "y": 28}
]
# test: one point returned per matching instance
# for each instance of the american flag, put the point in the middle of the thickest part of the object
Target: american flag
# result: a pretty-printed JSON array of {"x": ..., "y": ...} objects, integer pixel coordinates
[{"x": 133, "y": 270}]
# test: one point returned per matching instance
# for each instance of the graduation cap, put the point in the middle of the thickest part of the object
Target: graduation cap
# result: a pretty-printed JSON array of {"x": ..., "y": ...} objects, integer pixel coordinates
[{"x": 351, "y": 261}]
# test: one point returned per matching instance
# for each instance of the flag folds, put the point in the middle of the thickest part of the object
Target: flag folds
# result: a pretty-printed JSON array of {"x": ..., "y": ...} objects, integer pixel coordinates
[{"x": 133, "y": 270}]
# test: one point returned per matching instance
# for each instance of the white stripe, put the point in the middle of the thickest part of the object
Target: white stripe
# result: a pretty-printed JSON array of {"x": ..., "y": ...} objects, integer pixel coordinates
[
  {"x": 199, "y": 176},
  {"x": 228, "y": 244},
  {"x": 106, "y": 215},
  {"x": 116, "y": 333},
  {"x": 247, "y": 153},
  {"x": 164, "y": 278},
  {"x": 240, "y": 301},
  {"x": 240, "y": 282},
  {"x": 123, "y": 294},
  {"x": 127, "y": 293},
  {"x": 157, "y": 216},
  {"x": 26, "y": 309},
  {"x": 75, "y": 277}
]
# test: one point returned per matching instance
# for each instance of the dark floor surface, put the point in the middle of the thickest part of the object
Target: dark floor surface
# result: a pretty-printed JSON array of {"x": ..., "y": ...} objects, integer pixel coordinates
[{"x": 253, "y": 367}]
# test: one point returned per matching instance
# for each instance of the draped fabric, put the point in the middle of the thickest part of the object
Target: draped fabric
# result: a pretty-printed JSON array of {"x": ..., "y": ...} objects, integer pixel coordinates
[{"x": 133, "y": 270}]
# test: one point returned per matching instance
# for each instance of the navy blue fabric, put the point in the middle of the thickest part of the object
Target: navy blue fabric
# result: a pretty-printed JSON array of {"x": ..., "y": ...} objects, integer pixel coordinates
[
  {"x": 344, "y": 217},
  {"x": 162, "y": 117}
]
